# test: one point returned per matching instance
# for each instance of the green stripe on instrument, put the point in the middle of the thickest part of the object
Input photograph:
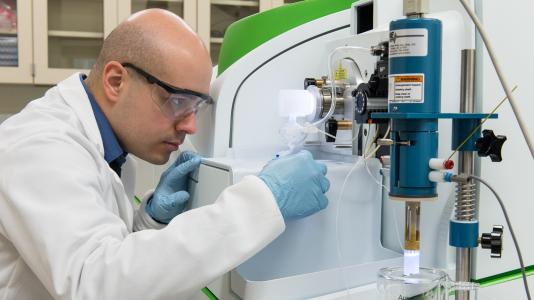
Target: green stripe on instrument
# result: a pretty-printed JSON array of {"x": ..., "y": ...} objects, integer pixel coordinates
[{"x": 504, "y": 277}]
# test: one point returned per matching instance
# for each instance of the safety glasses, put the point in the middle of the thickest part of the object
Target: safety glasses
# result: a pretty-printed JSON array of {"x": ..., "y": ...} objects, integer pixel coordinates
[{"x": 175, "y": 103}]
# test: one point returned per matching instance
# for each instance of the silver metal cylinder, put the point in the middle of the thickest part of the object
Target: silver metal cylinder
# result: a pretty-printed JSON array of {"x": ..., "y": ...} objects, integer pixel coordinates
[
  {"x": 326, "y": 98},
  {"x": 463, "y": 268},
  {"x": 466, "y": 192},
  {"x": 467, "y": 81}
]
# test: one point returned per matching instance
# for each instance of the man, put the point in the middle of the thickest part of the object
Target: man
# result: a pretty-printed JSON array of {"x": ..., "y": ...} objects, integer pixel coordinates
[{"x": 68, "y": 229}]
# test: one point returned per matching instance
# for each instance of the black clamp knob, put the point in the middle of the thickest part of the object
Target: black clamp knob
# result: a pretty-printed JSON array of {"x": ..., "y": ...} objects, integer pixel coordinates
[
  {"x": 493, "y": 241},
  {"x": 490, "y": 145}
]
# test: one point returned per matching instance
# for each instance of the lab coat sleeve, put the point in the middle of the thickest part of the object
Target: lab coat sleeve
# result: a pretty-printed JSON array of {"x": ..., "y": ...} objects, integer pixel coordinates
[
  {"x": 52, "y": 210},
  {"x": 142, "y": 219}
]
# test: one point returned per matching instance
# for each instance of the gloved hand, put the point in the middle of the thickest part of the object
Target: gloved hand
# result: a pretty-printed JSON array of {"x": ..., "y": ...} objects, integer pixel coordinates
[
  {"x": 298, "y": 184},
  {"x": 171, "y": 195}
]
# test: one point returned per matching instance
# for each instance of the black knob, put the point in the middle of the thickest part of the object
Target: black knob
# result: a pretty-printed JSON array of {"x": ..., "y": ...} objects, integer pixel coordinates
[
  {"x": 360, "y": 98},
  {"x": 309, "y": 81},
  {"x": 493, "y": 241},
  {"x": 490, "y": 145}
]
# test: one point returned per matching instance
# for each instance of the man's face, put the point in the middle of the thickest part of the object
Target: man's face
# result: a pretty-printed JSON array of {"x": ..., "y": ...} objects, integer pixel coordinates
[{"x": 146, "y": 129}]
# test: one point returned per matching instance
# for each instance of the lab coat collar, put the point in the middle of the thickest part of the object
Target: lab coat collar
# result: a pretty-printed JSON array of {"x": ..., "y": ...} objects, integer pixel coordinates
[
  {"x": 112, "y": 149},
  {"x": 72, "y": 91}
]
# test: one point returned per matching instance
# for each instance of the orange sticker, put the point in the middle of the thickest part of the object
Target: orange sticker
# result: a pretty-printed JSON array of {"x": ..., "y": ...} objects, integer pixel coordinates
[{"x": 410, "y": 78}]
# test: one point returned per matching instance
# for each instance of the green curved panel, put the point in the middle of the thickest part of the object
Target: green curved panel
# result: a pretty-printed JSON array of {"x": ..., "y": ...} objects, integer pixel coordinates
[{"x": 248, "y": 33}]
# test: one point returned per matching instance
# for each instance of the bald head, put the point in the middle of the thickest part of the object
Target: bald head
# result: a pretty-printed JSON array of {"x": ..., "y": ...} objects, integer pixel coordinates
[{"x": 161, "y": 43}]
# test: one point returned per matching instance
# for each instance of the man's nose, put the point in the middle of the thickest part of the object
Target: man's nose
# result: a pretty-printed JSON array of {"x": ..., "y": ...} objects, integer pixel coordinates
[{"x": 188, "y": 124}]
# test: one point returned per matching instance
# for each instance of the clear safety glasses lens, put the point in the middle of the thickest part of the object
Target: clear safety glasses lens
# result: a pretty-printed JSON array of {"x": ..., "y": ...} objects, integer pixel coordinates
[{"x": 178, "y": 106}]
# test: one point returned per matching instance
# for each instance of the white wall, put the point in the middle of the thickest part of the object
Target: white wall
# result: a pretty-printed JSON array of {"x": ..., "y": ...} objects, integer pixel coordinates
[{"x": 509, "y": 25}]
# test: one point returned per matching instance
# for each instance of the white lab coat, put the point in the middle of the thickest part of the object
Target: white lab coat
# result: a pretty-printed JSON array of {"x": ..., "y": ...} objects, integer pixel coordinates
[{"x": 67, "y": 225}]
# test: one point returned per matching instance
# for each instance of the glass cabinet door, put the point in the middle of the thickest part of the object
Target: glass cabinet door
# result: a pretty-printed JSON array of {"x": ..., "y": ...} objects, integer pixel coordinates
[
  {"x": 214, "y": 17},
  {"x": 15, "y": 41},
  {"x": 68, "y": 35},
  {"x": 222, "y": 14},
  {"x": 187, "y": 9}
]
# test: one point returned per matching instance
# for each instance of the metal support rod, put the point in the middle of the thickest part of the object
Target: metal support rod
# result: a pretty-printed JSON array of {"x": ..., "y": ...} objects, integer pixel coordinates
[{"x": 466, "y": 196}]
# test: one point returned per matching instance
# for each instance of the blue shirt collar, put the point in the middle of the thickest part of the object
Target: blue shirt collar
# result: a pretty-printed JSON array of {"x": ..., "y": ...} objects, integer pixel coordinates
[{"x": 112, "y": 150}]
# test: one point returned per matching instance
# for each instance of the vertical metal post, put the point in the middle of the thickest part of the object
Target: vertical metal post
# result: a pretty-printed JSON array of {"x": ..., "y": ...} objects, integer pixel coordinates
[{"x": 466, "y": 193}]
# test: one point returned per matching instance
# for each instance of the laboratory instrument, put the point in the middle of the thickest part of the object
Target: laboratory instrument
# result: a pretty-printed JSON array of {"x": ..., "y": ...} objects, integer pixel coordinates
[{"x": 386, "y": 91}]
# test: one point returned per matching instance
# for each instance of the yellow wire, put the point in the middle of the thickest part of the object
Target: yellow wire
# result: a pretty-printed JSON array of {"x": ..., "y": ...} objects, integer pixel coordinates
[{"x": 481, "y": 123}]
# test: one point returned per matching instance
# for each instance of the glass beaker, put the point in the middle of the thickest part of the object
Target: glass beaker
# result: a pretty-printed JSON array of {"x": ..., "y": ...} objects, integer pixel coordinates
[{"x": 428, "y": 284}]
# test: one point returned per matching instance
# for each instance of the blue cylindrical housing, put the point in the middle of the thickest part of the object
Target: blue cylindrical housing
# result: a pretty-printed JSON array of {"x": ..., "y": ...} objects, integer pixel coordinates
[
  {"x": 463, "y": 234},
  {"x": 414, "y": 87},
  {"x": 414, "y": 60},
  {"x": 461, "y": 128}
]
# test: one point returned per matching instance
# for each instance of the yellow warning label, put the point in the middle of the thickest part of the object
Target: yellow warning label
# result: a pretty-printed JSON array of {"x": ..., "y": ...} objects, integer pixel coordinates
[{"x": 340, "y": 73}]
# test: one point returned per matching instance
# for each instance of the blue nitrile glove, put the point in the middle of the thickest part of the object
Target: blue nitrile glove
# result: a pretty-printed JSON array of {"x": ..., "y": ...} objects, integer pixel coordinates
[
  {"x": 171, "y": 195},
  {"x": 298, "y": 184}
]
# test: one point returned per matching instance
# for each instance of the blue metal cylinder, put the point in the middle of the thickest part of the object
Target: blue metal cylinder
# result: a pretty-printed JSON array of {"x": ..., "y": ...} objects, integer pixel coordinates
[
  {"x": 461, "y": 128},
  {"x": 463, "y": 234},
  {"x": 415, "y": 52},
  {"x": 414, "y": 87}
]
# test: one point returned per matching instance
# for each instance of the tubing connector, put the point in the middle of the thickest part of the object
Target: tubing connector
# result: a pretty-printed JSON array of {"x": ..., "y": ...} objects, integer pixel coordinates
[
  {"x": 415, "y": 8},
  {"x": 437, "y": 176}
]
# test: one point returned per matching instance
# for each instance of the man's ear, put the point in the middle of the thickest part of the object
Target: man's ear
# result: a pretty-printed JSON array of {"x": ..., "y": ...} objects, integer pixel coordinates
[{"x": 114, "y": 78}]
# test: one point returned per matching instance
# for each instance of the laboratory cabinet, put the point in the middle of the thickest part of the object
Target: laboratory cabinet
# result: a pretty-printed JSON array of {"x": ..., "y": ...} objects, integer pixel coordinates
[
  {"x": 68, "y": 35},
  {"x": 44, "y": 41},
  {"x": 214, "y": 17},
  {"x": 15, "y": 41}
]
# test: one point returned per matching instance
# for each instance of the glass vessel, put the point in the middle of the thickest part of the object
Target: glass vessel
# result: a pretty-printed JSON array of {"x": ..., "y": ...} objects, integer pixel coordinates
[
  {"x": 224, "y": 13},
  {"x": 428, "y": 284}
]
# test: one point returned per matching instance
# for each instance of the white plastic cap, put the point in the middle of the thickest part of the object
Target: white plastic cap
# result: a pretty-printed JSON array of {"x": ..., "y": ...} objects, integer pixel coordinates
[
  {"x": 440, "y": 164},
  {"x": 415, "y": 7},
  {"x": 436, "y": 176},
  {"x": 295, "y": 103}
]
